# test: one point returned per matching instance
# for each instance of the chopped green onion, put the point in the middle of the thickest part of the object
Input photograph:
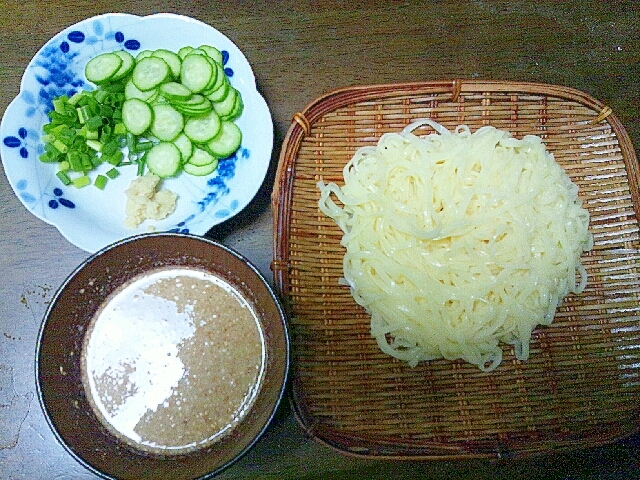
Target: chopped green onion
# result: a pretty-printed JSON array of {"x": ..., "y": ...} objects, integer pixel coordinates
[
  {"x": 106, "y": 131},
  {"x": 94, "y": 123},
  {"x": 94, "y": 144},
  {"x": 112, "y": 173},
  {"x": 110, "y": 147},
  {"x": 75, "y": 97},
  {"x": 82, "y": 131},
  {"x": 131, "y": 142},
  {"x": 115, "y": 158},
  {"x": 141, "y": 164},
  {"x": 75, "y": 161},
  {"x": 48, "y": 157},
  {"x": 57, "y": 117},
  {"x": 59, "y": 104},
  {"x": 95, "y": 161},
  {"x": 83, "y": 114},
  {"x": 87, "y": 164},
  {"x": 101, "y": 95},
  {"x": 106, "y": 111},
  {"x": 101, "y": 181},
  {"x": 92, "y": 134},
  {"x": 81, "y": 181},
  {"x": 60, "y": 146},
  {"x": 120, "y": 129},
  {"x": 64, "y": 178},
  {"x": 144, "y": 146}
]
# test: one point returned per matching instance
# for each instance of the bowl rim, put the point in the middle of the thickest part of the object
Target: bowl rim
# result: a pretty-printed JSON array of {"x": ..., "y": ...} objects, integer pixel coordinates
[{"x": 191, "y": 237}]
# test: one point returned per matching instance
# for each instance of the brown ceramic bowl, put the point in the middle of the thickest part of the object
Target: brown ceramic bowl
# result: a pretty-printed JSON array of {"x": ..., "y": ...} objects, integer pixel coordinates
[{"x": 58, "y": 358}]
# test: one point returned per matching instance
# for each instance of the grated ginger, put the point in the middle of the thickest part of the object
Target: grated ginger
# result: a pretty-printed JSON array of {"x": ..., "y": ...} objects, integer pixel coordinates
[{"x": 146, "y": 201}]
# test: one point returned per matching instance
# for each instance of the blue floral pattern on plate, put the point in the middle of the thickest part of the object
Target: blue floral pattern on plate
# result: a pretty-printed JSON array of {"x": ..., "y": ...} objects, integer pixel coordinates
[{"x": 80, "y": 214}]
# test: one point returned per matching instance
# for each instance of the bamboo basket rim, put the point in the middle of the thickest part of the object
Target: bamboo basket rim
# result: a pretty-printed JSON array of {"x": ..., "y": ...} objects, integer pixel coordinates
[{"x": 302, "y": 124}]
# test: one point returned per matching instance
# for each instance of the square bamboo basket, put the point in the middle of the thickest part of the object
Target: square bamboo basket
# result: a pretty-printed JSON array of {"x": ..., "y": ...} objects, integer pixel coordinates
[{"x": 581, "y": 384}]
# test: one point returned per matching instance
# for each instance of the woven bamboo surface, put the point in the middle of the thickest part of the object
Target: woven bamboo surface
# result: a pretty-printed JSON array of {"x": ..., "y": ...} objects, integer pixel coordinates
[{"x": 581, "y": 385}]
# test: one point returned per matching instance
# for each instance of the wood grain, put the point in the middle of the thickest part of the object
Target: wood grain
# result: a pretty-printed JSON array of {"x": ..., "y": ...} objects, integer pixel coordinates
[{"x": 300, "y": 51}]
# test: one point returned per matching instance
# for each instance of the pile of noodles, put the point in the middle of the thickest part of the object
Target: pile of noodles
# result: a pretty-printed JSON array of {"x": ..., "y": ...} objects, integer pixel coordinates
[{"x": 457, "y": 241}]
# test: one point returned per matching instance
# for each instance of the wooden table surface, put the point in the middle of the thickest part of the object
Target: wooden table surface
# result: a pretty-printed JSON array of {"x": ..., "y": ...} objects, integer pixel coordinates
[{"x": 299, "y": 51}]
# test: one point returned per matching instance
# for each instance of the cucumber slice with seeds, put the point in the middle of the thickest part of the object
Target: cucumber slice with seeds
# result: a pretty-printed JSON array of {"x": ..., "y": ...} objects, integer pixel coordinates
[
  {"x": 185, "y": 146},
  {"x": 219, "y": 94},
  {"x": 102, "y": 68},
  {"x": 227, "y": 141},
  {"x": 136, "y": 115},
  {"x": 225, "y": 106},
  {"x": 202, "y": 129},
  {"x": 200, "y": 158},
  {"x": 172, "y": 59},
  {"x": 236, "y": 111},
  {"x": 212, "y": 52},
  {"x": 150, "y": 72},
  {"x": 167, "y": 122},
  {"x": 164, "y": 159},
  {"x": 143, "y": 54},
  {"x": 131, "y": 91},
  {"x": 197, "y": 105},
  {"x": 175, "y": 91},
  {"x": 200, "y": 171},
  {"x": 197, "y": 71},
  {"x": 128, "y": 62},
  {"x": 184, "y": 51}
]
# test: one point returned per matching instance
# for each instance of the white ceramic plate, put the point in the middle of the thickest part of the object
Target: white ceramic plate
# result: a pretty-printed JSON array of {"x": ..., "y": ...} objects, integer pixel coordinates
[{"x": 91, "y": 218}]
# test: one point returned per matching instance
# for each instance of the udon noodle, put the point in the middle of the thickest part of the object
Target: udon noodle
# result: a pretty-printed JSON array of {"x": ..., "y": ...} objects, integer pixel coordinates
[{"x": 458, "y": 241}]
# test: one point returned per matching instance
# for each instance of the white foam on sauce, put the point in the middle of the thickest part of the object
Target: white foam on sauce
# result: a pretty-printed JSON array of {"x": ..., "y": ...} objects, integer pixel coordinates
[{"x": 132, "y": 358}]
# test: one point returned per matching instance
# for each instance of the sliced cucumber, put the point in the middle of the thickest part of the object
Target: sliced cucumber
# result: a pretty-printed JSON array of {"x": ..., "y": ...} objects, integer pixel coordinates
[
  {"x": 212, "y": 52},
  {"x": 175, "y": 91},
  {"x": 128, "y": 62},
  {"x": 195, "y": 106},
  {"x": 215, "y": 80},
  {"x": 181, "y": 103},
  {"x": 192, "y": 112},
  {"x": 221, "y": 92},
  {"x": 143, "y": 54},
  {"x": 236, "y": 111},
  {"x": 184, "y": 51},
  {"x": 197, "y": 71},
  {"x": 227, "y": 141},
  {"x": 202, "y": 129},
  {"x": 102, "y": 68},
  {"x": 167, "y": 122},
  {"x": 200, "y": 158},
  {"x": 225, "y": 106},
  {"x": 185, "y": 146},
  {"x": 221, "y": 78},
  {"x": 198, "y": 51},
  {"x": 164, "y": 159},
  {"x": 131, "y": 91},
  {"x": 172, "y": 59},
  {"x": 201, "y": 171},
  {"x": 136, "y": 115},
  {"x": 150, "y": 72}
]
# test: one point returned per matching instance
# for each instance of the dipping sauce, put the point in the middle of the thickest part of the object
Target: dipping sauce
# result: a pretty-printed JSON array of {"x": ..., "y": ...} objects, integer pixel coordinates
[{"x": 173, "y": 360}]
